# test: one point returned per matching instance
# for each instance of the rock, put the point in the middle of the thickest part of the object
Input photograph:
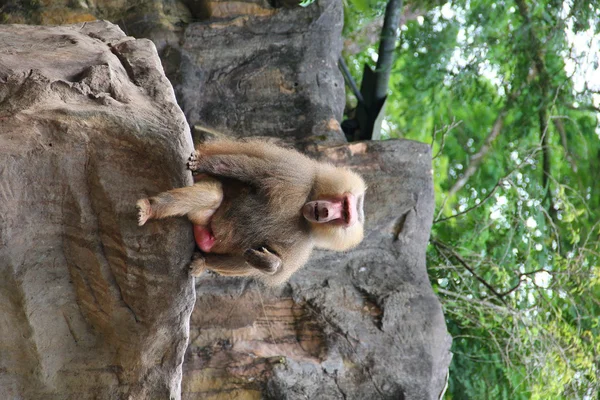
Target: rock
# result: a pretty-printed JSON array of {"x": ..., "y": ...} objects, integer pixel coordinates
[
  {"x": 364, "y": 324},
  {"x": 360, "y": 325},
  {"x": 93, "y": 306},
  {"x": 263, "y": 75},
  {"x": 242, "y": 67}
]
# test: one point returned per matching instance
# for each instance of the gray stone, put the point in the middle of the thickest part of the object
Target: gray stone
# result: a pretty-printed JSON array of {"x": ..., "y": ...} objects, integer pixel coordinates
[{"x": 269, "y": 76}]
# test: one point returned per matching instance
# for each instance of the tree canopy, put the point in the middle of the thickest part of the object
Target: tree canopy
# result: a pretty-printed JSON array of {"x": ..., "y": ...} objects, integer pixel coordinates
[{"x": 508, "y": 95}]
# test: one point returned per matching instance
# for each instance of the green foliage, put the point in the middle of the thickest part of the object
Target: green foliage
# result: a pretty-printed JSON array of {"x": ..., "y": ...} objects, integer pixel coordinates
[
  {"x": 12, "y": 11},
  {"x": 515, "y": 250}
]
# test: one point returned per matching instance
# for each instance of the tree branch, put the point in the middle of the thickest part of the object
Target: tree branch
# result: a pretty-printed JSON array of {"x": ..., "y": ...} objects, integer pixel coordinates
[
  {"x": 478, "y": 157},
  {"x": 584, "y": 107},
  {"x": 543, "y": 121},
  {"x": 437, "y": 244},
  {"x": 484, "y": 303},
  {"x": 536, "y": 47},
  {"x": 445, "y": 131},
  {"x": 350, "y": 80},
  {"x": 358, "y": 41},
  {"x": 560, "y": 128},
  {"x": 496, "y": 186},
  {"x": 520, "y": 278}
]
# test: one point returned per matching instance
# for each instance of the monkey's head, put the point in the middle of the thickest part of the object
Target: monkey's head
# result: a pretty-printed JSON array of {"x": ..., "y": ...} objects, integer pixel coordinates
[{"x": 335, "y": 208}]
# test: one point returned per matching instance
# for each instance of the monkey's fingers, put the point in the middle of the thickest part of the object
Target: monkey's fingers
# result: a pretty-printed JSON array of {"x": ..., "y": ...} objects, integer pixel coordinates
[
  {"x": 193, "y": 163},
  {"x": 263, "y": 260},
  {"x": 198, "y": 264},
  {"x": 144, "y": 211}
]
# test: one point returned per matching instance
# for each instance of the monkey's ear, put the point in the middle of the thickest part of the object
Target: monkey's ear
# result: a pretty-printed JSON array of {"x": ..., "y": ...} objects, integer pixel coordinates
[{"x": 264, "y": 260}]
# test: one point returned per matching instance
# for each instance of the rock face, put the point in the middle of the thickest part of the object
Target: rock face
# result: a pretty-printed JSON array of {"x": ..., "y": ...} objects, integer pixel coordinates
[
  {"x": 245, "y": 67},
  {"x": 91, "y": 306},
  {"x": 360, "y": 325},
  {"x": 271, "y": 75}
]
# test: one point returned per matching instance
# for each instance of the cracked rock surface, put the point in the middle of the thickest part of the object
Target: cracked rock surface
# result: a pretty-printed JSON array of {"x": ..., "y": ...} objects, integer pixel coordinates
[
  {"x": 91, "y": 305},
  {"x": 269, "y": 72}
]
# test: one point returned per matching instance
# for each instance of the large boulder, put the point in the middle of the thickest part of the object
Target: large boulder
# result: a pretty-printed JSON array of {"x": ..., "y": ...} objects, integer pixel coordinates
[
  {"x": 271, "y": 75},
  {"x": 91, "y": 305},
  {"x": 364, "y": 324}
]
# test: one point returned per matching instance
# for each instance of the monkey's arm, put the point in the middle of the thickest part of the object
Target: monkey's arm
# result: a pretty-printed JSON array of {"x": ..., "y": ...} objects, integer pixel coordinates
[
  {"x": 254, "y": 162},
  {"x": 249, "y": 147},
  {"x": 253, "y": 261},
  {"x": 237, "y": 166}
]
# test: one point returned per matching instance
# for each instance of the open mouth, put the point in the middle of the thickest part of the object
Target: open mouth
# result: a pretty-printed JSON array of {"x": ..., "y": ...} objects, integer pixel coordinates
[{"x": 339, "y": 210}]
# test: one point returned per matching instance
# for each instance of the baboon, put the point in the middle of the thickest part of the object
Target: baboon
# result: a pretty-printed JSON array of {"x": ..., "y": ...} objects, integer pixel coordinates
[{"x": 259, "y": 209}]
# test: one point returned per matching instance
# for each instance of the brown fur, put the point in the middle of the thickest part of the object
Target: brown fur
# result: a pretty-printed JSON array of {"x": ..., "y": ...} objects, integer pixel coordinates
[
  {"x": 197, "y": 202},
  {"x": 254, "y": 208}
]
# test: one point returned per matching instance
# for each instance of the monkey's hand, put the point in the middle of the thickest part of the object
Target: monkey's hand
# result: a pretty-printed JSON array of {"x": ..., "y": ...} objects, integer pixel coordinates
[
  {"x": 193, "y": 163},
  {"x": 198, "y": 264},
  {"x": 264, "y": 260}
]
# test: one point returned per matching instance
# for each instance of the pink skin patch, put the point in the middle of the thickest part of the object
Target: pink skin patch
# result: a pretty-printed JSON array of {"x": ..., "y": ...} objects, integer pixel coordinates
[{"x": 204, "y": 238}]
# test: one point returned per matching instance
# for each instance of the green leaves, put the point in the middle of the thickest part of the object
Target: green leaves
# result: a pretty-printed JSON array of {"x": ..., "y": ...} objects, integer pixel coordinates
[{"x": 517, "y": 260}]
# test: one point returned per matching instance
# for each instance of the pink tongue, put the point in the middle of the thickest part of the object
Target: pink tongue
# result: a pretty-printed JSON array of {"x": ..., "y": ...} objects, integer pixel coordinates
[{"x": 204, "y": 238}]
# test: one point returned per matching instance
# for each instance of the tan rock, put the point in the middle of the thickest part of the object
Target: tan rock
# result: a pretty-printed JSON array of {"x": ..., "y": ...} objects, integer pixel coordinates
[{"x": 88, "y": 125}]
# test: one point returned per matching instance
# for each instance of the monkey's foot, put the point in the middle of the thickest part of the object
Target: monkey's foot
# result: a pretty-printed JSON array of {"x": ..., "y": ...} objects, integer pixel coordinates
[
  {"x": 193, "y": 163},
  {"x": 264, "y": 260},
  {"x": 198, "y": 264},
  {"x": 144, "y": 211}
]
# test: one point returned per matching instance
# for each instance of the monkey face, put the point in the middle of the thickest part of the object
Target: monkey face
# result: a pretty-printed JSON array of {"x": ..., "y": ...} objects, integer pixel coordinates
[
  {"x": 337, "y": 222},
  {"x": 335, "y": 208},
  {"x": 345, "y": 210}
]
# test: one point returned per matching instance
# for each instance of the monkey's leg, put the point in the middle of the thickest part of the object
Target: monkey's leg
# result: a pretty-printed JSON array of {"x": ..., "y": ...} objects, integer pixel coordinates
[
  {"x": 263, "y": 259},
  {"x": 255, "y": 163},
  {"x": 249, "y": 147},
  {"x": 199, "y": 202}
]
